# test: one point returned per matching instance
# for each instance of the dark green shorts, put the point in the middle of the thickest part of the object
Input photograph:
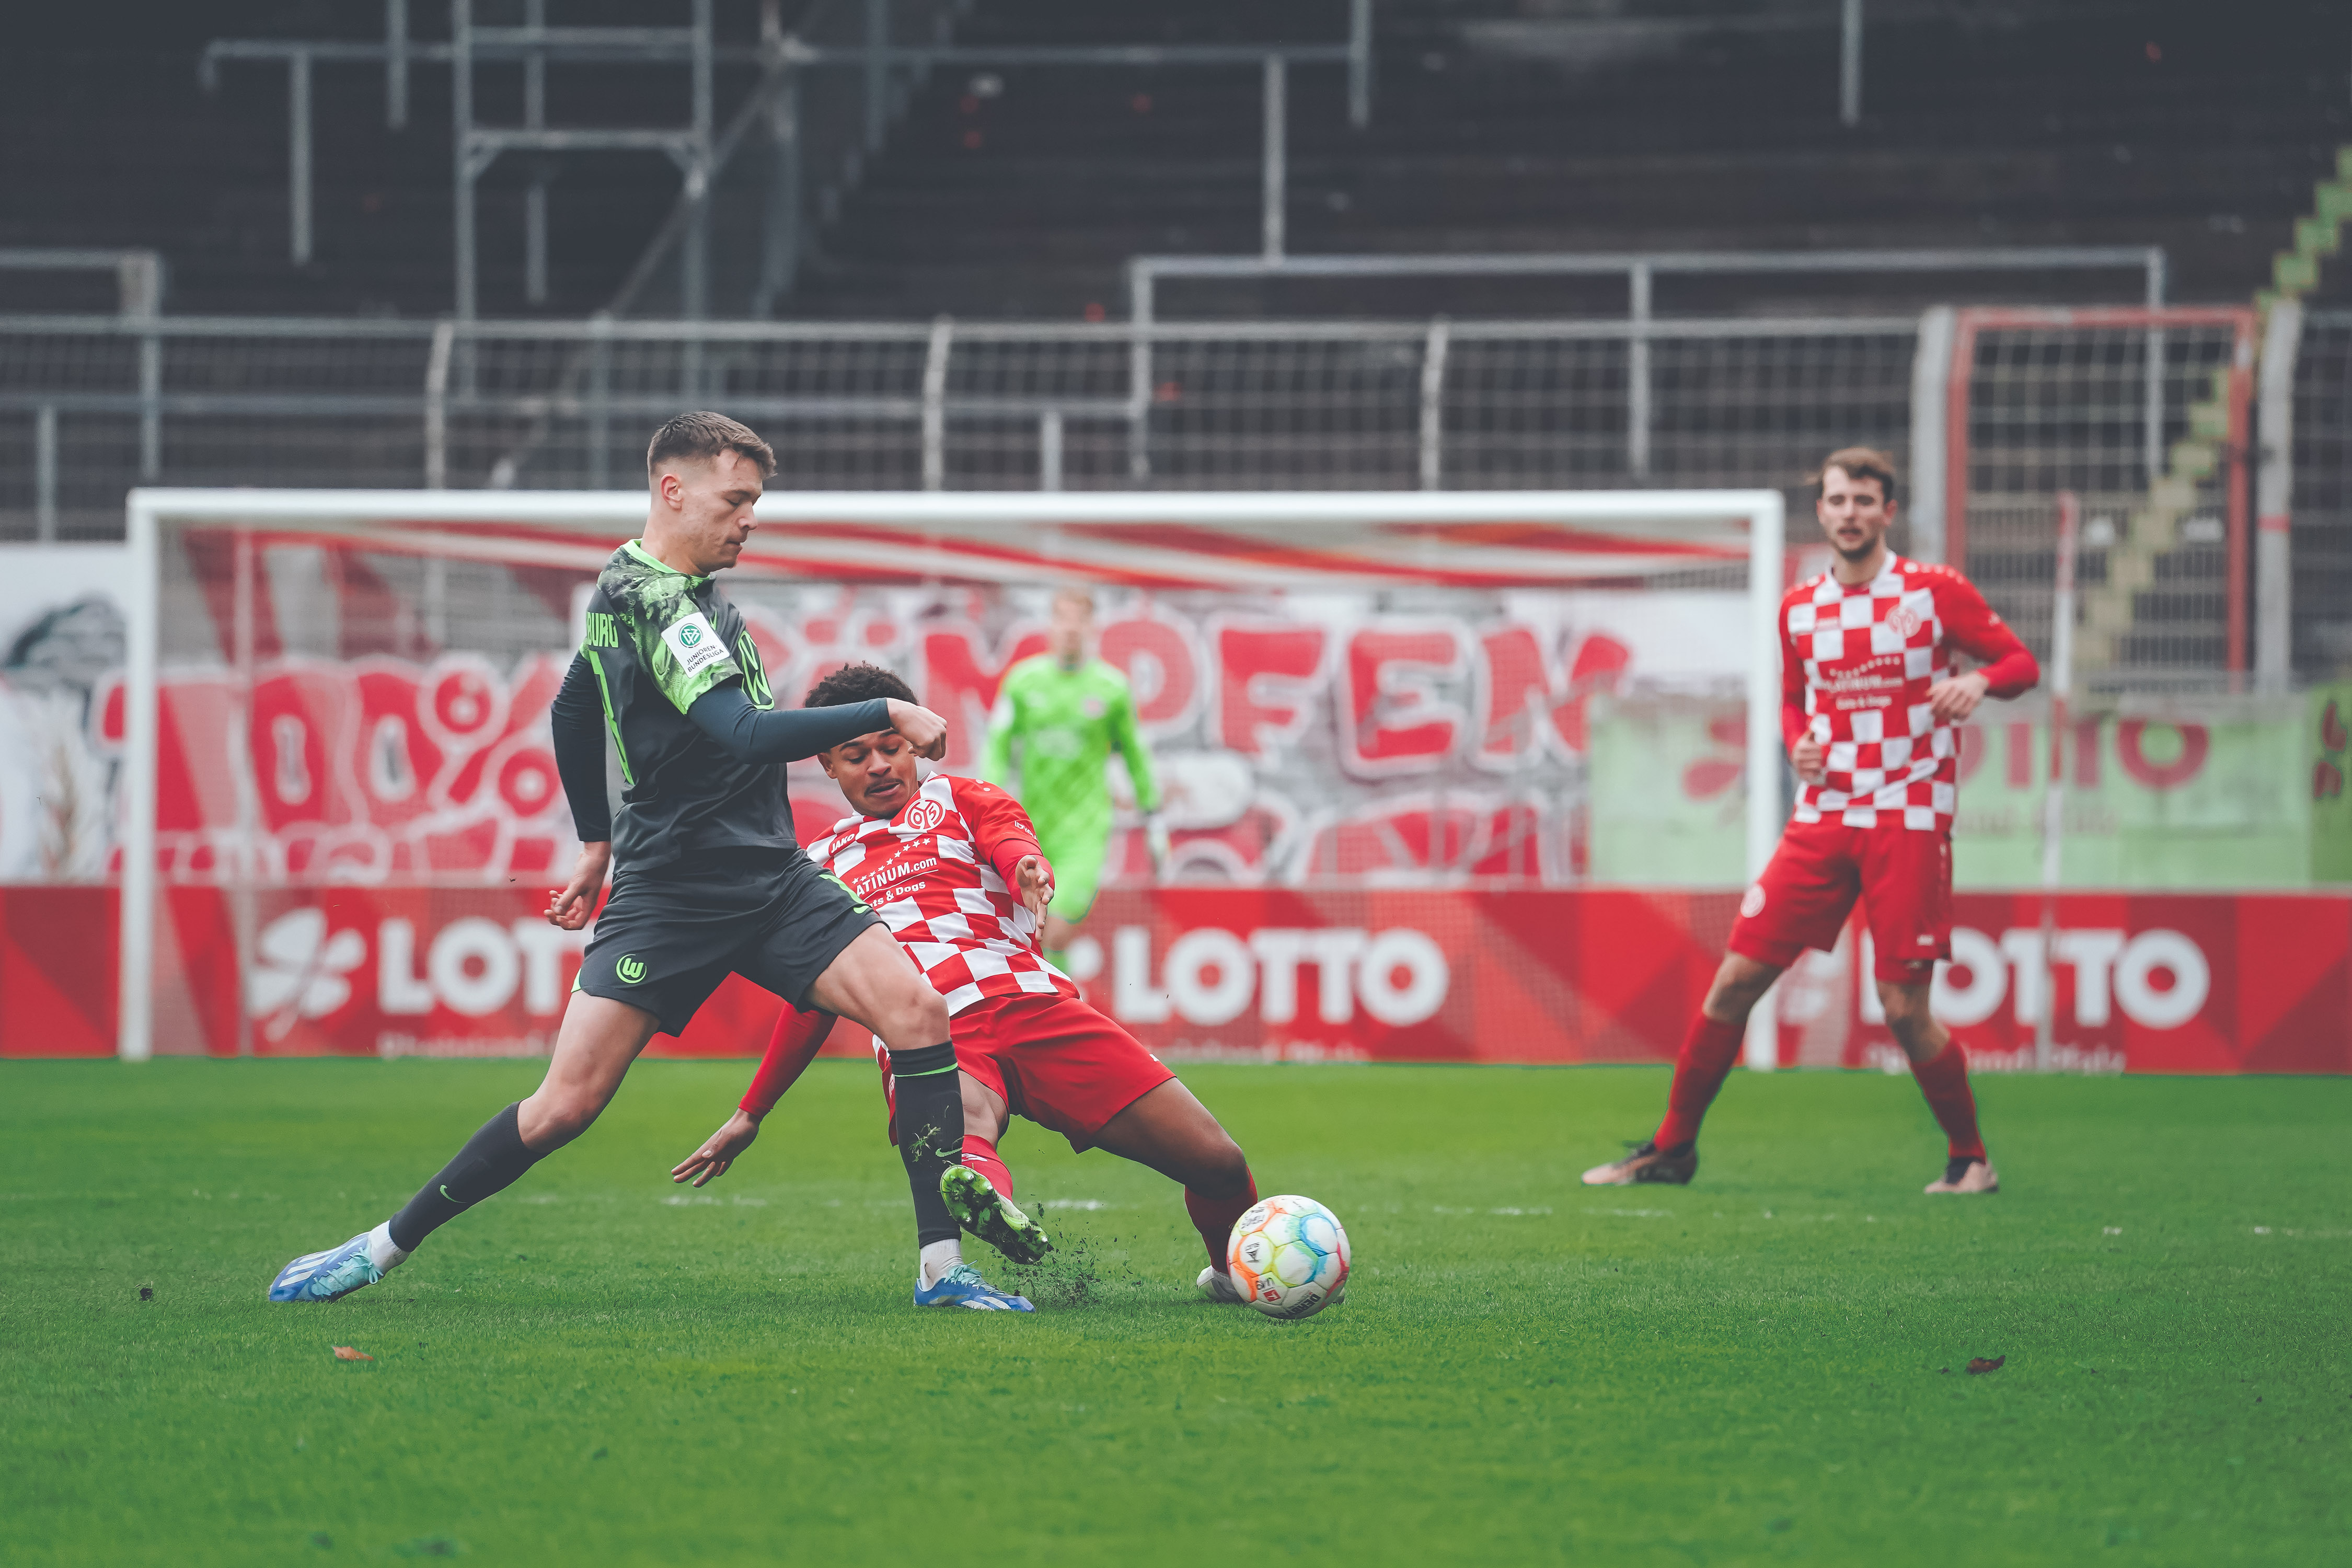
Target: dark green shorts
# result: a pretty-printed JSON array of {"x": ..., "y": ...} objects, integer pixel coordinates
[{"x": 667, "y": 937}]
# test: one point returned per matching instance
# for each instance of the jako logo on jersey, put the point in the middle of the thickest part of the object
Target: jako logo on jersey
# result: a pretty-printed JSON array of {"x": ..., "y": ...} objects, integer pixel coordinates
[
  {"x": 924, "y": 815},
  {"x": 631, "y": 968}
]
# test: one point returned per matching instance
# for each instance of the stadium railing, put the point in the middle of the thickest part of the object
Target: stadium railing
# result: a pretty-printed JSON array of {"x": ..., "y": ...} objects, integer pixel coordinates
[
  {"x": 1641, "y": 270},
  {"x": 945, "y": 405},
  {"x": 91, "y": 405}
]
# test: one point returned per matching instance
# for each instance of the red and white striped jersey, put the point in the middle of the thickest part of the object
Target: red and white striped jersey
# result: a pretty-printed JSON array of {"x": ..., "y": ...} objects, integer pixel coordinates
[
  {"x": 936, "y": 875},
  {"x": 1856, "y": 664}
]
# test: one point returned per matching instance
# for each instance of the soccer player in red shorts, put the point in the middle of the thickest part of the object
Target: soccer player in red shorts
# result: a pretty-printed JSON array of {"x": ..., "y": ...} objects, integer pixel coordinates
[
  {"x": 1868, "y": 702},
  {"x": 953, "y": 867}
]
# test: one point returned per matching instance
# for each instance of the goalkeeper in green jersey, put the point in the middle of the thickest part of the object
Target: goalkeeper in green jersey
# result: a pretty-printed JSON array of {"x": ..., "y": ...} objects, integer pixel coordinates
[{"x": 1064, "y": 710}]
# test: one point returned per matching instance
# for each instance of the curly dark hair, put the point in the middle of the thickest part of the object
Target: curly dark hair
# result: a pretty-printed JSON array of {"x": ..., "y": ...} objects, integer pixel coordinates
[{"x": 858, "y": 683}]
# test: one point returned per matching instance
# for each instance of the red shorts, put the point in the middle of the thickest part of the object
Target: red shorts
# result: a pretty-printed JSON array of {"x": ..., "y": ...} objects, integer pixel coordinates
[
  {"x": 1053, "y": 1061},
  {"x": 1904, "y": 878}
]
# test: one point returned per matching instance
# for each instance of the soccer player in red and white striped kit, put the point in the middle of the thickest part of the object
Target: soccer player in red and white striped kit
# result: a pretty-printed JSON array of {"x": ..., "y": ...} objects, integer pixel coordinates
[
  {"x": 953, "y": 867},
  {"x": 1868, "y": 702}
]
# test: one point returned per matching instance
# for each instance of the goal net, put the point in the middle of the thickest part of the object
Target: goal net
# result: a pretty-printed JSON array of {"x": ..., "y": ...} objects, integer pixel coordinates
[{"x": 1391, "y": 731}]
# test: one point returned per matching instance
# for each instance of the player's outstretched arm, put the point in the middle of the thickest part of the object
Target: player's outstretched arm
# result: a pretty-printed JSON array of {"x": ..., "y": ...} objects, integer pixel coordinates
[
  {"x": 924, "y": 730},
  {"x": 719, "y": 1151},
  {"x": 1033, "y": 884},
  {"x": 791, "y": 1048},
  {"x": 753, "y": 734},
  {"x": 1007, "y": 842}
]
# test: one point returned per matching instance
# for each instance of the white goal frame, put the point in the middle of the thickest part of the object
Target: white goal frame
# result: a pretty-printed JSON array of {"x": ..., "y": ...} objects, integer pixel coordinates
[{"x": 1761, "y": 513}]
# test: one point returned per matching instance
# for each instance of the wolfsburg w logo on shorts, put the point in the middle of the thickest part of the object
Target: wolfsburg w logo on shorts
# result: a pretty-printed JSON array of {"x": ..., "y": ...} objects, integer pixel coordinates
[{"x": 631, "y": 968}]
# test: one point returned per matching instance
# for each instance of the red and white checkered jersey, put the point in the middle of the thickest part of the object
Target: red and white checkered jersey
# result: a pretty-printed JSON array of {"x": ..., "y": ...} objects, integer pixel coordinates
[
  {"x": 1856, "y": 663},
  {"x": 931, "y": 872}
]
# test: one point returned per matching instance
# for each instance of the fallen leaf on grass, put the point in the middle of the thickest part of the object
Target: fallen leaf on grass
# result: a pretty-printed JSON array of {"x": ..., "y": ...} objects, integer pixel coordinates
[
  {"x": 1980, "y": 1364},
  {"x": 345, "y": 1353},
  {"x": 146, "y": 1292}
]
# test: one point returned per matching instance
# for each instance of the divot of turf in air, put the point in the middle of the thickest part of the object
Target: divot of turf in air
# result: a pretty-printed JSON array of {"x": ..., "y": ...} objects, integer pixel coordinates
[{"x": 1077, "y": 1272}]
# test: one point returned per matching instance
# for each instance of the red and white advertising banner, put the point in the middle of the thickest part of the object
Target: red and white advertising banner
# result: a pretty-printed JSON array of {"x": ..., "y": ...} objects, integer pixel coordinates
[
  {"x": 2183, "y": 983},
  {"x": 2201, "y": 983},
  {"x": 1399, "y": 802},
  {"x": 1293, "y": 742}
]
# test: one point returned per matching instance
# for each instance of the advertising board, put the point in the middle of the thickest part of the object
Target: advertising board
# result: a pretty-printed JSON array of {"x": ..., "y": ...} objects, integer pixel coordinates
[{"x": 2195, "y": 983}]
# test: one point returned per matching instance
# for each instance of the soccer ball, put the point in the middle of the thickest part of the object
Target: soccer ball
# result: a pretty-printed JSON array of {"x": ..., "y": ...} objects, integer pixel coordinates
[{"x": 1288, "y": 1256}]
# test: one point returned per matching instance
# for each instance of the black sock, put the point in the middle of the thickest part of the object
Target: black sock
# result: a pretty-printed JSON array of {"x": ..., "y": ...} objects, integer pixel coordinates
[
  {"x": 491, "y": 1162},
  {"x": 929, "y": 1093}
]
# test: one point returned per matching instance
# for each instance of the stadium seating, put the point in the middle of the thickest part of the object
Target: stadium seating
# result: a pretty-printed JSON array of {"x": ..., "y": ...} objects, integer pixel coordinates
[
  {"x": 1498, "y": 124},
  {"x": 203, "y": 178},
  {"x": 1503, "y": 126}
]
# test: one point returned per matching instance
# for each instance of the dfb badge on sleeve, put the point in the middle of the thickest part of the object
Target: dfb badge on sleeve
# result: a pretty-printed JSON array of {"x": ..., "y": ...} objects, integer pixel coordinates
[{"x": 696, "y": 645}]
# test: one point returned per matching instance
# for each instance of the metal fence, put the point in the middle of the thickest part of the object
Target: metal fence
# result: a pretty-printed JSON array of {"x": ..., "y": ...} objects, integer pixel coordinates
[
  {"x": 91, "y": 405},
  {"x": 2145, "y": 416}
]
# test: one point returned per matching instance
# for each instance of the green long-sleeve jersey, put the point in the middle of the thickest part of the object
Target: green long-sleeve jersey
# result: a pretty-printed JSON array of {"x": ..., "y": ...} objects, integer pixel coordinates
[{"x": 1065, "y": 722}]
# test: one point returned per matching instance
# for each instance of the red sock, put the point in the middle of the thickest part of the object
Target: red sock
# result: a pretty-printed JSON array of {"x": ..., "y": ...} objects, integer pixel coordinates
[
  {"x": 982, "y": 1156},
  {"x": 1214, "y": 1217},
  {"x": 1944, "y": 1079},
  {"x": 1708, "y": 1051}
]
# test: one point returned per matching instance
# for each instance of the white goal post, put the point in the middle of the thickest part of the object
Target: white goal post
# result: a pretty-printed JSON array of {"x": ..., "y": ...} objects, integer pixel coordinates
[{"x": 1293, "y": 543}]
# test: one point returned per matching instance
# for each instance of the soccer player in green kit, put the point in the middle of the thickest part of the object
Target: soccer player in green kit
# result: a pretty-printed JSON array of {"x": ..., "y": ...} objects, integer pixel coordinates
[
  {"x": 706, "y": 877},
  {"x": 1066, "y": 710}
]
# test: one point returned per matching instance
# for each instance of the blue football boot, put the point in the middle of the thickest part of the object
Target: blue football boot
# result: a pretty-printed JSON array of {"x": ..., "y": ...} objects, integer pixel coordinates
[
  {"x": 961, "y": 1285},
  {"x": 327, "y": 1276}
]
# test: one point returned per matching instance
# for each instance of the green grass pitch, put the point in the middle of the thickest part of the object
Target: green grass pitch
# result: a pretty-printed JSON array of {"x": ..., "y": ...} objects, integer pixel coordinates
[{"x": 597, "y": 1367}]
